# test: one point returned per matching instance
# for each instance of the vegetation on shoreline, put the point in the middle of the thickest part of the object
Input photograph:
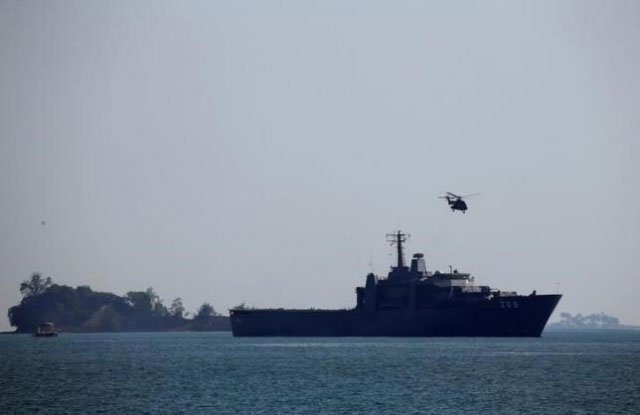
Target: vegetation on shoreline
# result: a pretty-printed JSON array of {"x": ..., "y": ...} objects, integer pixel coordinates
[
  {"x": 81, "y": 309},
  {"x": 591, "y": 321}
]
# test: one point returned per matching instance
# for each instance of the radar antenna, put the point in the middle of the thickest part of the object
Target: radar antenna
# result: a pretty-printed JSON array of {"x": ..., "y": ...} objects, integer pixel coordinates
[
  {"x": 373, "y": 271},
  {"x": 398, "y": 238}
]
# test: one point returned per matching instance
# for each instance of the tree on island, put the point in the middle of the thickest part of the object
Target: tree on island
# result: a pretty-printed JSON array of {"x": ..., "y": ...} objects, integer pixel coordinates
[
  {"x": 140, "y": 301},
  {"x": 206, "y": 310},
  {"x": 176, "y": 309},
  {"x": 35, "y": 285},
  {"x": 146, "y": 302},
  {"x": 206, "y": 318}
]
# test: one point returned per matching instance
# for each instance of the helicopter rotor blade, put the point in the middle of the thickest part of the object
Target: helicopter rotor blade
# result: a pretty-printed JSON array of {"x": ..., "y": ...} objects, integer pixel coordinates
[
  {"x": 452, "y": 194},
  {"x": 471, "y": 195}
]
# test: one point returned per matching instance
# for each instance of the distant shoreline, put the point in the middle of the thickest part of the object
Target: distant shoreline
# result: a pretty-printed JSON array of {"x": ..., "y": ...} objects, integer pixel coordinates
[{"x": 560, "y": 327}]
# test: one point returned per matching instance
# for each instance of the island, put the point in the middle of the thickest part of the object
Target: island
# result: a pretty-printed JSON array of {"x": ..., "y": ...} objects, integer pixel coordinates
[{"x": 82, "y": 309}]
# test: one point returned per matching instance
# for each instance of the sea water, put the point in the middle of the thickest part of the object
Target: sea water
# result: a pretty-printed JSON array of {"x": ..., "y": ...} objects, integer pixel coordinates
[{"x": 564, "y": 372}]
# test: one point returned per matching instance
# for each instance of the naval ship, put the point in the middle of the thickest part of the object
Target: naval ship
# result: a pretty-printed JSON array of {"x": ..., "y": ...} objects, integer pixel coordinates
[{"x": 410, "y": 301}]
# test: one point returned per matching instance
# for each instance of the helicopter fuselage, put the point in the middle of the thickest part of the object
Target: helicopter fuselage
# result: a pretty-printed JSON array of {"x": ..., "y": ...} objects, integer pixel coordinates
[{"x": 457, "y": 204}]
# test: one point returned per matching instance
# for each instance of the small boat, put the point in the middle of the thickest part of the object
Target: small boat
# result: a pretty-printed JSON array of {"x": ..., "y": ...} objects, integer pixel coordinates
[{"x": 45, "y": 330}]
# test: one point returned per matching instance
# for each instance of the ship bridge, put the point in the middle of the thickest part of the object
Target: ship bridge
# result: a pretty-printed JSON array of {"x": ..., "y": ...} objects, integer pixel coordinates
[{"x": 414, "y": 286}]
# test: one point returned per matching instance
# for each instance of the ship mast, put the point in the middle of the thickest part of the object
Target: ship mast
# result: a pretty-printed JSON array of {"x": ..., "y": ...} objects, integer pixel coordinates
[{"x": 398, "y": 238}]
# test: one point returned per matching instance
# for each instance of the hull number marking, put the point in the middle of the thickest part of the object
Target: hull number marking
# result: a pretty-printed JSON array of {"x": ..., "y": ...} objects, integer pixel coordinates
[{"x": 508, "y": 304}]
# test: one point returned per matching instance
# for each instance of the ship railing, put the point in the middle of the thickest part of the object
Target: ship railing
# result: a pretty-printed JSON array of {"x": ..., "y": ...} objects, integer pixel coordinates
[{"x": 505, "y": 293}]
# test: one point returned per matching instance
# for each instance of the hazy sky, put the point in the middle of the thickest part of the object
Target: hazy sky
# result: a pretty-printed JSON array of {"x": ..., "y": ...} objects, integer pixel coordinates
[{"x": 259, "y": 152}]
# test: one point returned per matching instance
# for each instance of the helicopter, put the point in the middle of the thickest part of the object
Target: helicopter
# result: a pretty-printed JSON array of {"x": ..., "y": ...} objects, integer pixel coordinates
[{"x": 457, "y": 202}]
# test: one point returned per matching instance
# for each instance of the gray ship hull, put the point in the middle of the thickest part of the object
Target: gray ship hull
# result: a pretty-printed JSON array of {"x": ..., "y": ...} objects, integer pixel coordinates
[{"x": 516, "y": 316}]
